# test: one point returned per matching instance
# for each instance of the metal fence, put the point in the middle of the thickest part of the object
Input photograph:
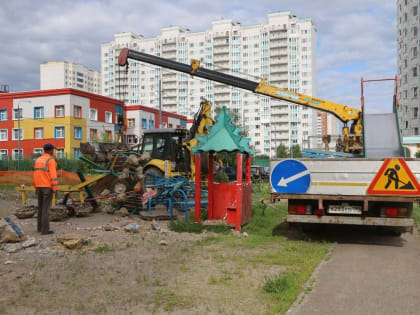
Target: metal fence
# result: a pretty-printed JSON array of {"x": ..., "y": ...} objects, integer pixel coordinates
[{"x": 67, "y": 162}]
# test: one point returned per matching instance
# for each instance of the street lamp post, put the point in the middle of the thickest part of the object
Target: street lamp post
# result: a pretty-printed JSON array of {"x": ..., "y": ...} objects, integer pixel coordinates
[{"x": 160, "y": 103}]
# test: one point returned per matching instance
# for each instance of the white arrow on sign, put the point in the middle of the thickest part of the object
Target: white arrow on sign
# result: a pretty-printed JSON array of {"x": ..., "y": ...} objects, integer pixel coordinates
[{"x": 284, "y": 181}]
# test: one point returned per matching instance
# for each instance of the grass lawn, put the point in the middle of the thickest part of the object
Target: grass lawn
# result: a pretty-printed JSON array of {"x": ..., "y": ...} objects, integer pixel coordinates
[
  {"x": 416, "y": 215},
  {"x": 283, "y": 258}
]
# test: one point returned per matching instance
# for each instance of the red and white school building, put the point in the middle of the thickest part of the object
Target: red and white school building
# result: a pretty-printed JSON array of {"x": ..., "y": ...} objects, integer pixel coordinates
[{"x": 140, "y": 118}]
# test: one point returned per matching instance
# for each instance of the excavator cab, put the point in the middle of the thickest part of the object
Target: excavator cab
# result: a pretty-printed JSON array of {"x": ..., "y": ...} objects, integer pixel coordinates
[{"x": 166, "y": 145}]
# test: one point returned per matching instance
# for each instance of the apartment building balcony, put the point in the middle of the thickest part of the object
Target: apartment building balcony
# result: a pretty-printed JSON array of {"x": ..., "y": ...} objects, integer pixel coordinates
[
  {"x": 220, "y": 35},
  {"x": 219, "y": 91},
  {"x": 169, "y": 55},
  {"x": 169, "y": 77},
  {"x": 277, "y": 43},
  {"x": 278, "y": 29},
  {"x": 221, "y": 58},
  {"x": 283, "y": 84},
  {"x": 220, "y": 66},
  {"x": 279, "y": 111},
  {"x": 222, "y": 97},
  {"x": 221, "y": 42},
  {"x": 221, "y": 50},
  {"x": 170, "y": 93},
  {"x": 278, "y": 61},
  {"x": 279, "y": 70},
  {"x": 169, "y": 86},
  {"x": 278, "y": 77},
  {"x": 275, "y": 52}
]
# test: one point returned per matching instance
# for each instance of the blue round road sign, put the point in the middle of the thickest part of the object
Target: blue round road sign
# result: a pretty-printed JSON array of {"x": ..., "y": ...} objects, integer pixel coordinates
[{"x": 290, "y": 177}]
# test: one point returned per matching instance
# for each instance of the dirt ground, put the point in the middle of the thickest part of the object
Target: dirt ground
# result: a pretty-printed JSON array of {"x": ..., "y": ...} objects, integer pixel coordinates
[{"x": 132, "y": 273}]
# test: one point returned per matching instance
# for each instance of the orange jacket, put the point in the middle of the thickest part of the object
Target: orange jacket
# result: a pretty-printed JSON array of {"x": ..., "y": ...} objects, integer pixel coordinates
[{"x": 45, "y": 172}]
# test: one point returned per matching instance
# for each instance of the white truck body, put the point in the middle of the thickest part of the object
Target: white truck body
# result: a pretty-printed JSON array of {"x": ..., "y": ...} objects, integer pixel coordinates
[{"x": 338, "y": 190}]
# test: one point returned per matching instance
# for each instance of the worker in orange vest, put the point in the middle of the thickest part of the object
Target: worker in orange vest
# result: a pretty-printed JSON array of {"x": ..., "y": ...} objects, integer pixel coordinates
[{"x": 46, "y": 184}]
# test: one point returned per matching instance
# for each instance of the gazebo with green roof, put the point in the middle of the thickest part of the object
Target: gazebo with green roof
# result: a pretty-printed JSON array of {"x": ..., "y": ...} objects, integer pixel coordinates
[{"x": 226, "y": 201}]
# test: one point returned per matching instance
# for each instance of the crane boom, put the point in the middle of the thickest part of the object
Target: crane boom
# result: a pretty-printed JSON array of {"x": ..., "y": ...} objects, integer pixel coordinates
[{"x": 342, "y": 112}]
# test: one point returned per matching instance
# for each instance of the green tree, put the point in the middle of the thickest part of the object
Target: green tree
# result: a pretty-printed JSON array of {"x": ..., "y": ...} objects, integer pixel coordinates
[
  {"x": 282, "y": 151},
  {"x": 296, "y": 152},
  {"x": 262, "y": 157}
]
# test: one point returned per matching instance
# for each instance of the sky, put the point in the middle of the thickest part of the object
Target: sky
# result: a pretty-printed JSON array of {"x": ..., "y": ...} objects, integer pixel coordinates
[{"x": 356, "y": 38}]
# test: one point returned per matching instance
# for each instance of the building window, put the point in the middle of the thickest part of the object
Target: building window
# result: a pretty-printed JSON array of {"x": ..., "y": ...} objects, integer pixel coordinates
[
  {"x": 415, "y": 72},
  {"x": 415, "y": 112},
  {"x": 39, "y": 133},
  {"x": 3, "y": 154},
  {"x": 108, "y": 117},
  {"x": 131, "y": 122},
  {"x": 3, "y": 114},
  {"x": 59, "y": 132},
  {"x": 3, "y": 135},
  {"x": 38, "y": 152},
  {"x": 17, "y": 154},
  {"x": 144, "y": 123},
  {"x": 77, "y": 111},
  {"x": 59, "y": 111},
  {"x": 76, "y": 153},
  {"x": 59, "y": 153},
  {"x": 77, "y": 133},
  {"x": 17, "y": 134},
  {"x": 93, "y": 114},
  {"x": 94, "y": 134},
  {"x": 132, "y": 139},
  {"x": 39, "y": 112},
  {"x": 17, "y": 113},
  {"x": 151, "y": 124}
]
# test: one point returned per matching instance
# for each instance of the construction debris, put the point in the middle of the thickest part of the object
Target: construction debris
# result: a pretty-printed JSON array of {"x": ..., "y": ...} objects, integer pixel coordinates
[
  {"x": 26, "y": 212},
  {"x": 72, "y": 241},
  {"x": 58, "y": 213},
  {"x": 132, "y": 228},
  {"x": 155, "y": 226},
  {"x": 10, "y": 232},
  {"x": 12, "y": 248},
  {"x": 123, "y": 212},
  {"x": 132, "y": 160},
  {"x": 109, "y": 227},
  {"x": 30, "y": 242}
]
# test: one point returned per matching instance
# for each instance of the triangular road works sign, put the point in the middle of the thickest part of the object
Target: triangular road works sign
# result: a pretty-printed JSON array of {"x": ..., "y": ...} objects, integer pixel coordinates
[{"x": 394, "y": 178}]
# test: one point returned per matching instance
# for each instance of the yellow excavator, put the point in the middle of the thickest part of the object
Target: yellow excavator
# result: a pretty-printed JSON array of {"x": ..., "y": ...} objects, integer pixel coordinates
[
  {"x": 170, "y": 149},
  {"x": 352, "y": 137}
]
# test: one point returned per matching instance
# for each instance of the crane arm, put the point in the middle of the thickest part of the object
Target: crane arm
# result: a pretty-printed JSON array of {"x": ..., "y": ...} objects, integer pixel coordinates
[{"x": 342, "y": 112}]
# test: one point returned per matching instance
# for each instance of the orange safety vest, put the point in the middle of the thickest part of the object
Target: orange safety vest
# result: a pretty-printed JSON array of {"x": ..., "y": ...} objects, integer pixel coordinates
[{"x": 45, "y": 172}]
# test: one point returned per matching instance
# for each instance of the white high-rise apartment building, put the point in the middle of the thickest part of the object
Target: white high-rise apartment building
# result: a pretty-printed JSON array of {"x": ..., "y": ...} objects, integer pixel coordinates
[
  {"x": 408, "y": 66},
  {"x": 63, "y": 74},
  {"x": 283, "y": 50}
]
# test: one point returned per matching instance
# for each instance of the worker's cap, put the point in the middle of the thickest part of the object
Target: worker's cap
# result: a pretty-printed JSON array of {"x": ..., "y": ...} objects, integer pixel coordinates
[{"x": 49, "y": 146}]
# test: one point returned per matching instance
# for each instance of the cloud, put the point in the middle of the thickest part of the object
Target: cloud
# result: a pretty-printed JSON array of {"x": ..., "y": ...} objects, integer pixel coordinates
[{"x": 355, "y": 38}]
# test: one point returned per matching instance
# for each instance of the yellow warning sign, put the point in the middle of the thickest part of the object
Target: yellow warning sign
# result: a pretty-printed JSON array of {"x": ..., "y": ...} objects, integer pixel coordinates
[{"x": 394, "y": 178}]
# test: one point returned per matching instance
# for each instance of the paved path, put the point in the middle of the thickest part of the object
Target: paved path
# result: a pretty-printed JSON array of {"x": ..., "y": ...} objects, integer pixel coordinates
[{"x": 367, "y": 274}]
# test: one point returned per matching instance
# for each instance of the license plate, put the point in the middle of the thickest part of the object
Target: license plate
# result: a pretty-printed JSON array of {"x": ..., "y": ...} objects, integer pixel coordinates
[{"x": 340, "y": 209}]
